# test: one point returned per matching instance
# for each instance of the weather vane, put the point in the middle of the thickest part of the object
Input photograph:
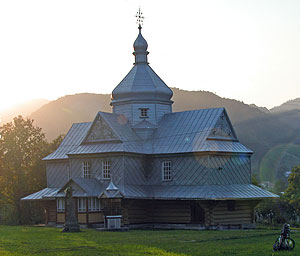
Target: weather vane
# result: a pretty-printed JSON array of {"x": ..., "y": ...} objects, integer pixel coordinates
[{"x": 139, "y": 18}]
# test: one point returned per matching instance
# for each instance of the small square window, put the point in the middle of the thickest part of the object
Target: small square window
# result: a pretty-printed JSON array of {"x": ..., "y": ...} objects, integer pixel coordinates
[
  {"x": 105, "y": 169},
  {"x": 144, "y": 112},
  {"x": 166, "y": 171}
]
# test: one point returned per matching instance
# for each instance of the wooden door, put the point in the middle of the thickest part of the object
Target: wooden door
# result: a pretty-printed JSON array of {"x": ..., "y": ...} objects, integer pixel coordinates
[{"x": 197, "y": 213}]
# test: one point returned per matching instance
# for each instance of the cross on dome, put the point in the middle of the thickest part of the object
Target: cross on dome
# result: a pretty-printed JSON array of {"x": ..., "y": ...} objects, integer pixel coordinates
[{"x": 139, "y": 18}]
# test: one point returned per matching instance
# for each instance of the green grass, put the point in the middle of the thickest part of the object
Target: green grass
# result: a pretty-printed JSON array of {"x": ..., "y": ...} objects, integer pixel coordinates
[{"x": 23, "y": 240}]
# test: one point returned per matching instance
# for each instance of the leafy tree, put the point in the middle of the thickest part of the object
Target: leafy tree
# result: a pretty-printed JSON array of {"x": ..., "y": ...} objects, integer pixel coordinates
[
  {"x": 254, "y": 180},
  {"x": 22, "y": 147},
  {"x": 292, "y": 193},
  {"x": 280, "y": 186},
  {"x": 281, "y": 210}
]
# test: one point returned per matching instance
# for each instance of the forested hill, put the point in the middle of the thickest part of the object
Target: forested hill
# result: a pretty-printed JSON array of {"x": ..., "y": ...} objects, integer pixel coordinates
[
  {"x": 286, "y": 106},
  {"x": 57, "y": 116},
  {"x": 273, "y": 135}
]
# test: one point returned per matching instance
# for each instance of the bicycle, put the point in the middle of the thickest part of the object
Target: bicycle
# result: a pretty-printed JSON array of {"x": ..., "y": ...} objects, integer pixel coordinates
[{"x": 284, "y": 242}]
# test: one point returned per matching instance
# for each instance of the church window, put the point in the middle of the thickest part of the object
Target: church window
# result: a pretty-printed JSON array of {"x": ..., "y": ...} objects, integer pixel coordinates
[
  {"x": 81, "y": 204},
  {"x": 166, "y": 171},
  {"x": 106, "y": 169},
  {"x": 86, "y": 170},
  {"x": 60, "y": 204},
  {"x": 144, "y": 112},
  {"x": 94, "y": 204}
]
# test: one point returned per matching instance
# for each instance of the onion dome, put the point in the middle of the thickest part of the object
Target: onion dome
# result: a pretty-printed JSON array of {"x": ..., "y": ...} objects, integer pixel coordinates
[
  {"x": 140, "y": 48},
  {"x": 141, "y": 83}
]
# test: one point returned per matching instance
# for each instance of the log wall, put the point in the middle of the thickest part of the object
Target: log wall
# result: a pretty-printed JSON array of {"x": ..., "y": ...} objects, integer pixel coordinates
[
  {"x": 96, "y": 217},
  {"x": 156, "y": 211},
  {"x": 135, "y": 211},
  {"x": 61, "y": 218},
  {"x": 51, "y": 209},
  {"x": 215, "y": 213},
  {"x": 81, "y": 218},
  {"x": 170, "y": 211}
]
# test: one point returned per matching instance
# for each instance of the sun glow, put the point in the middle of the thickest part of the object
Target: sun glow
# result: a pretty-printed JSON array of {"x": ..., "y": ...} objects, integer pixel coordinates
[{"x": 238, "y": 49}]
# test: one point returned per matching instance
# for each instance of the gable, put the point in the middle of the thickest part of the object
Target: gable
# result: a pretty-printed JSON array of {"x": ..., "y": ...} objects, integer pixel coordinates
[
  {"x": 223, "y": 129},
  {"x": 100, "y": 131},
  {"x": 76, "y": 188}
]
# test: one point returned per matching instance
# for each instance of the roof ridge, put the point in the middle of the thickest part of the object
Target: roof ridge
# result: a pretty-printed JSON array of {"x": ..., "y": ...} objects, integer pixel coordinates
[
  {"x": 82, "y": 123},
  {"x": 194, "y": 110}
]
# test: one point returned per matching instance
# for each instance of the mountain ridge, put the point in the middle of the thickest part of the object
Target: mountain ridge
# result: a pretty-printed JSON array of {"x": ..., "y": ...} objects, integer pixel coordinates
[{"x": 271, "y": 134}]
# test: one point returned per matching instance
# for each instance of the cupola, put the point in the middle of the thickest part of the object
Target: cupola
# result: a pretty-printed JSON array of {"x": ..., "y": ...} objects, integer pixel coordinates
[{"x": 142, "y": 88}]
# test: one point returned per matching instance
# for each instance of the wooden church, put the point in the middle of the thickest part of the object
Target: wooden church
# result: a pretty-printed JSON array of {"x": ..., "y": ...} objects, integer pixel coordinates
[{"x": 151, "y": 166}]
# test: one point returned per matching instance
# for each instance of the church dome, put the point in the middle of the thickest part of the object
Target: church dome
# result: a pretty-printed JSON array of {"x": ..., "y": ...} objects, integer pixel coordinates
[
  {"x": 141, "y": 83},
  {"x": 140, "y": 44}
]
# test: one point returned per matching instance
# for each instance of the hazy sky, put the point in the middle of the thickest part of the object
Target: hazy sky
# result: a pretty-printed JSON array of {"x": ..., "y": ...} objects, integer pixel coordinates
[{"x": 245, "y": 50}]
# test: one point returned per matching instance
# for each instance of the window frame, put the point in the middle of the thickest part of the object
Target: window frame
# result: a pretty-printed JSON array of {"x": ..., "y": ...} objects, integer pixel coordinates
[
  {"x": 105, "y": 169},
  {"x": 86, "y": 170},
  {"x": 144, "y": 112},
  {"x": 166, "y": 168},
  {"x": 81, "y": 204},
  {"x": 93, "y": 204},
  {"x": 60, "y": 205}
]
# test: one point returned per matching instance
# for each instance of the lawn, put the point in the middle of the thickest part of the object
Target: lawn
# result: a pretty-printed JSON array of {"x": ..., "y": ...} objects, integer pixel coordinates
[{"x": 23, "y": 240}]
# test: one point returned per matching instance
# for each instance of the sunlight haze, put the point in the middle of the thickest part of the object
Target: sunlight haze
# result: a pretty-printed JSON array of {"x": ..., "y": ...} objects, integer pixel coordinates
[{"x": 243, "y": 50}]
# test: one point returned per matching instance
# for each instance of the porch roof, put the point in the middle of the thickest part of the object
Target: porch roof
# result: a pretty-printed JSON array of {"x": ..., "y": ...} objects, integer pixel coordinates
[
  {"x": 94, "y": 188},
  {"x": 42, "y": 194},
  {"x": 204, "y": 192}
]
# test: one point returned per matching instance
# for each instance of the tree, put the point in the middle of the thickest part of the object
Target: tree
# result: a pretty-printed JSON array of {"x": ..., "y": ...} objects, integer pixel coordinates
[
  {"x": 292, "y": 193},
  {"x": 254, "y": 180},
  {"x": 22, "y": 147}
]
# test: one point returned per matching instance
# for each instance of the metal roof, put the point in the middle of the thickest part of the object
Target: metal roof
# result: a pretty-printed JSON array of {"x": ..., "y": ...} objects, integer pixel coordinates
[
  {"x": 42, "y": 194},
  {"x": 71, "y": 141},
  {"x": 120, "y": 126},
  {"x": 94, "y": 188},
  {"x": 205, "y": 192},
  {"x": 87, "y": 188},
  {"x": 141, "y": 83},
  {"x": 82, "y": 188},
  {"x": 183, "y": 132},
  {"x": 179, "y": 132}
]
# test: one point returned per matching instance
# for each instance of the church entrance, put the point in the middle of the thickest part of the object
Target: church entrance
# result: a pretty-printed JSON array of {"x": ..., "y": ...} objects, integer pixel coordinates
[{"x": 197, "y": 213}]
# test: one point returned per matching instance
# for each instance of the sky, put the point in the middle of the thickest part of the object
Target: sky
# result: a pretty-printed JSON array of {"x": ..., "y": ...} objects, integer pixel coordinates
[{"x": 242, "y": 49}]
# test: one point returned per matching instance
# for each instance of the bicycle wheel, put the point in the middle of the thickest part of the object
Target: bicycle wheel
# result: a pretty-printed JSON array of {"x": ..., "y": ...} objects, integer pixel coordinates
[
  {"x": 276, "y": 245},
  {"x": 290, "y": 243}
]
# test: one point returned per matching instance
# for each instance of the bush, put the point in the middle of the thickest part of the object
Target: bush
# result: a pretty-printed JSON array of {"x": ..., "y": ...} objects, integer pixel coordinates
[{"x": 276, "y": 211}]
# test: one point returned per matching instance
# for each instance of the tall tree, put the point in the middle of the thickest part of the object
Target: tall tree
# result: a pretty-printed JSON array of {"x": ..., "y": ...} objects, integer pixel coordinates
[
  {"x": 292, "y": 193},
  {"x": 22, "y": 146}
]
